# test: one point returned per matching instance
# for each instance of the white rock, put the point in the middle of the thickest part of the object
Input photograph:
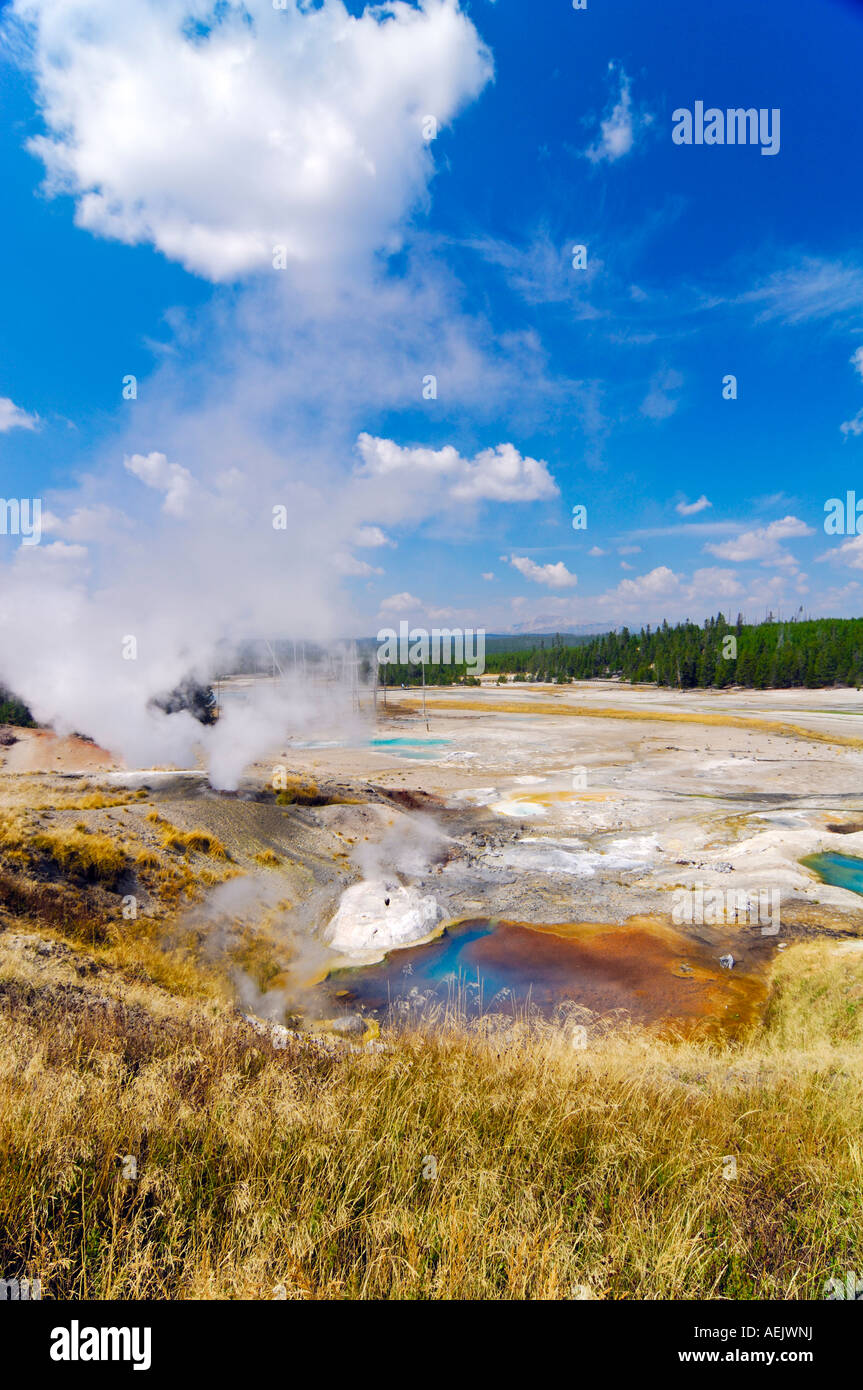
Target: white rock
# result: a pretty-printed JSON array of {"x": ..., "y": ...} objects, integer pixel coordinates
[{"x": 378, "y": 915}]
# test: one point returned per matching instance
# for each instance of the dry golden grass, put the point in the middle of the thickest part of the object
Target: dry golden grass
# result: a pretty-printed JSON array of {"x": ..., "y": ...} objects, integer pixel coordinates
[
  {"x": 268, "y": 858},
  {"x": 556, "y": 1166},
  {"x": 298, "y": 791},
  {"x": 644, "y": 715},
  {"x": 141, "y": 952},
  {"x": 94, "y": 858},
  {"x": 194, "y": 842},
  {"x": 75, "y": 851},
  {"x": 34, "y": 793}
]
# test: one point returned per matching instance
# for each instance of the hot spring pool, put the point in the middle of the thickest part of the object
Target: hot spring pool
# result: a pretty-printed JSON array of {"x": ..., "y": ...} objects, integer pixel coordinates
[
  {"x": 839, "y": 870},
  {"x": 418, "y": 748},
  {"x": 649, "y": 970}
]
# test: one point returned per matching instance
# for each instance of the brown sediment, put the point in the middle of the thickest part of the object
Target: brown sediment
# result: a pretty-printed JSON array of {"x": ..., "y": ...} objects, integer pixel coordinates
[
  {"x": 41, "y": 750},
  {"x": 646, "y": 968},
  {"x": 656, "y": 972}
]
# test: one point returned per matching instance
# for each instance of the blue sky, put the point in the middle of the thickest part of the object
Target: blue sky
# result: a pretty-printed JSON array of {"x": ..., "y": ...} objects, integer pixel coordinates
[{"x": 451, "y": 258}]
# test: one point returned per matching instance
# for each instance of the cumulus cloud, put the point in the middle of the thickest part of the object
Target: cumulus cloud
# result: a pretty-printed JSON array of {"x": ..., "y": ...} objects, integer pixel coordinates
[
  {"x": 660, "y": 582},
  {"x": 663, "y": 593},
  {"x": 501, "y": 474},
  {"x": 849, "y": 553},
  {"x": 763, "y": 543},
  {"x": 371, "y": 537},
  {"x": 618, "y": 129},
  {"x": 713, "y": 582},
  {"x": 175, "y": 481},
  {"x": 353, "y": 568},
  {"x": 685, "y": 508},
  {"x": 555, "y": 576},
  {"x": 218, "y": 132},
  {"x": 401, "y": 603},
  {"x": 86, "y": 524},
  {"x": 12, "y": 417}
]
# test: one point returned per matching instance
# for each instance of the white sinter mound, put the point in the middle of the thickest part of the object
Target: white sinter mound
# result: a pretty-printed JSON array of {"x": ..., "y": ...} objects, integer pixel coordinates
[{"x": 378, "y": 915}]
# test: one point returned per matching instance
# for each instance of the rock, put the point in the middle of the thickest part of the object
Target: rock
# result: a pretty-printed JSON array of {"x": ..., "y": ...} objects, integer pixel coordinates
[
  {"x": 345, "y": 1024},
  {"x": 379, "y": 914},
  {"x": 727, "y": 962}
]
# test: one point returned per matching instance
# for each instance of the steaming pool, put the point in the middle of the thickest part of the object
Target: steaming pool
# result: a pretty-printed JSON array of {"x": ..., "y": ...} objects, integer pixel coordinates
[{"x": 486, "y": 965}]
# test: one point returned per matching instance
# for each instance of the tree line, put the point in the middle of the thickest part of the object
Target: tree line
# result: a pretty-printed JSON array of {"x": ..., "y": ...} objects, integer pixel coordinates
[{"x": 809, "y": 653}]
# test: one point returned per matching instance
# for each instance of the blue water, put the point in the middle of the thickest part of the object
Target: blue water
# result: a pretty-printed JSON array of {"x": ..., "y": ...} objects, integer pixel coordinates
[
  {"x": 455, "y": 962},
  {"x": 416, "y": 745},
  {"x": 840, "y": 870},
  {"x": 420, "y": 750},
  {"x": 489, "y": 964},
  {"x": 407, "y": 742}
]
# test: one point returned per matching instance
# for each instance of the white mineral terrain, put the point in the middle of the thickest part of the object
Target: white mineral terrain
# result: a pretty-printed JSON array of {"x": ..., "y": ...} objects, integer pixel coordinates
[{"x": 377, "y": 915}]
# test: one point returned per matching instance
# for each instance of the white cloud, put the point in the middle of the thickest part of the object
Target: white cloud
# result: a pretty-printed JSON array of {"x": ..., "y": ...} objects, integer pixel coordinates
[
  {"x": 658, "y": 404},
  {"x": 618, "y": 130},
  {"x": 854, "y": 426},
  {"x": 501, "y": 474},
  {"x": 541, "y": 271},
  {"x": 658, "y": 583},
  {"x": 489, "y": 575},
  {"x": 763, "y": 543},
  {"x": 595, "y": 551},
  {"x": 353, "y": 568},
  {"x": 371, "y": 537},
  {"x": 400, "y": 603},
  {"x": 685, "y": 508},
  {"x": 95, "y": 523},
  {"x": 661, "y": 593},
  {"x": 12, "y": 417},
  {"x": 713, "y": 582},
  {"x": 219, "y": 132},
  {"x": 808, "y": 290},
  {"x": 171, "y": 478},
  {"x": 554, "y": 576},
  {"x": 849, "y": 553}
]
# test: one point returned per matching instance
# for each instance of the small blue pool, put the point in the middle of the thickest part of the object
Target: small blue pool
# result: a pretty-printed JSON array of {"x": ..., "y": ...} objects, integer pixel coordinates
[{"x": 840, "y": 870}]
